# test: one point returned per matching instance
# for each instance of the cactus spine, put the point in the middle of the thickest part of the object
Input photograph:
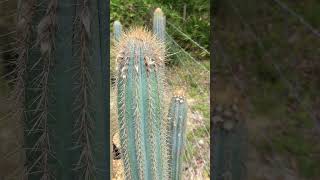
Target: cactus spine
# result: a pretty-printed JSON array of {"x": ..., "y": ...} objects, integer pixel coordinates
[
  {"x": 62, "y": 130},
  {"x": 177, "y": 118}
]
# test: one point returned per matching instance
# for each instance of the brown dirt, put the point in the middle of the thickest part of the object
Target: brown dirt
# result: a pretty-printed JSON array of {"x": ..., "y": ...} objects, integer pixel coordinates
[{"x": 117, "y": 166}]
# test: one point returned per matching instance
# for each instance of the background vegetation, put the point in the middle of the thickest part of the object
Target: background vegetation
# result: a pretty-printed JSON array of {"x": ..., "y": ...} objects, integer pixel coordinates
[
  {"x": 271, "y": 59},
  {"x": 196, "y": 23}
]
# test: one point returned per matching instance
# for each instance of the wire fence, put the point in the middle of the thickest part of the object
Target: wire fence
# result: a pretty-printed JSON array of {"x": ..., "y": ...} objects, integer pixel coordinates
[{"x": 286, "y": 8}]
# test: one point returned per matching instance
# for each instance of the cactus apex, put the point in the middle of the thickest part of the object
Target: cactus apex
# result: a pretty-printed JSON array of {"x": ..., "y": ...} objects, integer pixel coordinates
[
  {"x": 155, "y": 50},
  {"x": 116, "y": 23},
  {"x": 179, "y": 93},
  {"x": 158, "y": 11}
]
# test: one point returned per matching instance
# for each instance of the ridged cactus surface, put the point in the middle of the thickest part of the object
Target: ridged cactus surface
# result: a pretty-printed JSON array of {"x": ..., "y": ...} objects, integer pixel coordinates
[
  {"x": 60, "y": 90},
  {"x": 177, "y": 117},
  {"x": 140, "y": 113}
]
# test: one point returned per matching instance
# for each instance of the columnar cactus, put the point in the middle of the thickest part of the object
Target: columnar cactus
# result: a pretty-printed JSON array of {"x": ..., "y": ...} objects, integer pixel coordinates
[
  {"x": 177, "y": 118},
  {"x": 139, "y": 106},
  {"x": 60, "y": 91},
  {"x": 151, "y": 142},
  {"x": 159, "y": 24},
  {"x": 159, "y": 29},
  {"x": 117, "y": 30}
]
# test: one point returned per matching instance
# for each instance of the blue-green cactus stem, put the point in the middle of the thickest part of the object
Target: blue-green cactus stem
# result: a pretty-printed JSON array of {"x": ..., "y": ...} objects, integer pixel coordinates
[
  {"x": 117, "y": 27},
  {"x": 177, "y": 118},
  {"x": 140, "y": 106},
  {"x": 159, "y": 24}
]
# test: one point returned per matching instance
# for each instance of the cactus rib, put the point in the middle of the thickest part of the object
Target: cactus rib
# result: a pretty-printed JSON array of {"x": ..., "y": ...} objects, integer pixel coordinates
[
  {"x": 159, "y": 32},
  {"x": 46, "y": 34},
  {"x": 42, "y": 95},
  {"x": 84, "y": 122}
]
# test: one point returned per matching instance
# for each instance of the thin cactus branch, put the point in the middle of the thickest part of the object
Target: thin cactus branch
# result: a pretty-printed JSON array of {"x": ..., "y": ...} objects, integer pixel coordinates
[
  {"x": 117, "y": 30},
  {"x": 159, "y": 24},
  {"x": 177, "y": 117}
]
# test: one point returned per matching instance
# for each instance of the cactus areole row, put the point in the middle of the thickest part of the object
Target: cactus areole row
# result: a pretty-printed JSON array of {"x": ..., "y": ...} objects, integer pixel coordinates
[
  {"x": 60, "y": 91},
  {"x": 151, "y": 142}
]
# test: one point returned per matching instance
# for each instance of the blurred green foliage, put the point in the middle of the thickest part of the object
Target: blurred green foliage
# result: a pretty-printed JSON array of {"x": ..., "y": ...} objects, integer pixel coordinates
[{"x": 196, "y": 24}]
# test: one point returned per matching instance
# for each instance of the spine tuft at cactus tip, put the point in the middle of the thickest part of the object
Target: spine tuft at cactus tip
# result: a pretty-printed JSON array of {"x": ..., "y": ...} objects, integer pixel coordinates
[
  {"x": 117, "y": 27},
  {"x": 177, "y": 118},
  {"x": 159, "y": 24},
  {"x": 140, "y": 113}
]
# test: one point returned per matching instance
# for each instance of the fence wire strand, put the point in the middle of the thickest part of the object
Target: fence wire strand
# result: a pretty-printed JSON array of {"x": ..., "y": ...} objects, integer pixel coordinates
[
  {"x": 286, "y": 8},
  {"x": 188, "y": 37}
]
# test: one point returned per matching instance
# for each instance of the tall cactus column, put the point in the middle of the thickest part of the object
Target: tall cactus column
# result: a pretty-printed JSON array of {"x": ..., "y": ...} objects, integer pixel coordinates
[
  {"x": 65, "y": 78},
  {"x": 159, "y": 24},
  {"x": 139, "y": 106}
]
